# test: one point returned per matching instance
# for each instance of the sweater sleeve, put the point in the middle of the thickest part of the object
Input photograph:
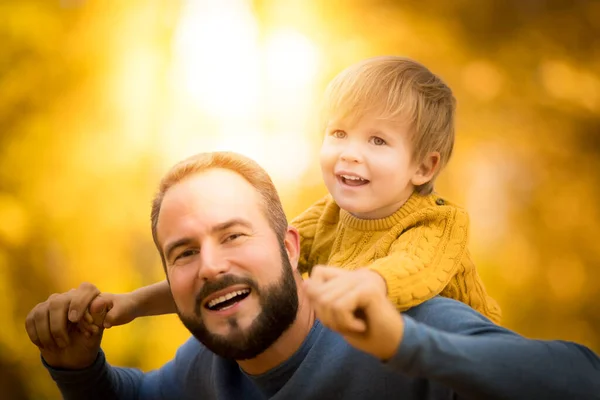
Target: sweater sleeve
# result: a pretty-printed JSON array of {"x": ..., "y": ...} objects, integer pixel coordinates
[
  {"x": 102, "y": 381},
  {"x": 306, "y": 223},
  {"x": 423, "y": 259},
  {"x": 447, "y": 341}
]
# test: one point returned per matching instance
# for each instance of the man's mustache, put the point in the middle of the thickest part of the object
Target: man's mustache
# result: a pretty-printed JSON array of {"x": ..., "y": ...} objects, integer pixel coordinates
[{"x": 213, "y": 286}]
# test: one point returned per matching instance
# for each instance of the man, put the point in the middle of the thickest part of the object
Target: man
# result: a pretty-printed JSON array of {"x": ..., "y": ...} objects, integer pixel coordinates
[{"x": 261, "y": 332}]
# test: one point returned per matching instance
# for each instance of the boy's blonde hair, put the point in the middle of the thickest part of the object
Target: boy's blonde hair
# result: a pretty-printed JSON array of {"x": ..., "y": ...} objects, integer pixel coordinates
[{"x": 397, "y": 89}]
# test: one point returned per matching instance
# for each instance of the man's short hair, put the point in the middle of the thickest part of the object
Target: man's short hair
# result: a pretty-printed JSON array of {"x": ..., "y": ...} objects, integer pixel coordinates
[{"x": 244, "y": 166}]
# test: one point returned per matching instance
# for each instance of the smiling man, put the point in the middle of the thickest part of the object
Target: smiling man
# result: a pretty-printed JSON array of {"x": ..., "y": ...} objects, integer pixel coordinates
[
  {"x": 219, "y": 250},
  {"x": 260, "y": 332}
]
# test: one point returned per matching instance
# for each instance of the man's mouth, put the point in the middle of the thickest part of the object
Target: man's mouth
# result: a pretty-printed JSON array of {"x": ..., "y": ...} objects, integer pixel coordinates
[
  {"x": 353, "y": 180},
  {"x": 227, "y": 300}
]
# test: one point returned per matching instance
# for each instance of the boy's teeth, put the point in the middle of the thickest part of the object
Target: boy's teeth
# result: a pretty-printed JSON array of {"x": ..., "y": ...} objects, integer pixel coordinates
[
  {"x": 352, "y": 178},
  {"x": 226, "y": 297}
]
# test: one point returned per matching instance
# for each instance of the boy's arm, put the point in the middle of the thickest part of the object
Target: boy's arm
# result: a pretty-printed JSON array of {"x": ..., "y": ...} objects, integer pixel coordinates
[
  {"x": 424, "y": 259},
  {"x": 155, "y": 299},
  {"x": 122, "y": 308},
  {"x": 306, "y": 224}
]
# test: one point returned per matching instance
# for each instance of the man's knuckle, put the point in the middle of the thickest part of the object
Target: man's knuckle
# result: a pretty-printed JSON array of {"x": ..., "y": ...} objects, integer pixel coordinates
[
  {"x": 52, "y": 297},
  {"x": 35, "y": 315},
  {"x": 89, "y": 287},
  {"x": 56, "y": 331},
  {"x": 55, "y": 301}
]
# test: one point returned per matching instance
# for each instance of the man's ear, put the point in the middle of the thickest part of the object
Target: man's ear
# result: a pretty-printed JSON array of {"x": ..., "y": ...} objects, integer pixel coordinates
[
  {"x": 292, "y": 246},
  {"x": 426, "y": 169}
]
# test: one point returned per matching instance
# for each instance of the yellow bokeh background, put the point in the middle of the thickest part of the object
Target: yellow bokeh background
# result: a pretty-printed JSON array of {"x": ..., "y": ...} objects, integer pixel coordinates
[{"x": 99, "y": 98}]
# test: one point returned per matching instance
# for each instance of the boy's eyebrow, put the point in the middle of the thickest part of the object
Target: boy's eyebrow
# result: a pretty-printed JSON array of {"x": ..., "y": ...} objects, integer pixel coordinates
[{"x": 215, "y": 229}]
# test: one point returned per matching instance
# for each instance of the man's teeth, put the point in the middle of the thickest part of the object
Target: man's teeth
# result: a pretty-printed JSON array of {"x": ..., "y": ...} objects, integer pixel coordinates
[
  {"x": 353, "y": 178},
  {"x": 226, "y": 297}
]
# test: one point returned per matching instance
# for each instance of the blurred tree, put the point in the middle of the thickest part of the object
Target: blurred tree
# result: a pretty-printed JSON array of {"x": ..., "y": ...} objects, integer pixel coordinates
[{"x": 83, "y": 94}]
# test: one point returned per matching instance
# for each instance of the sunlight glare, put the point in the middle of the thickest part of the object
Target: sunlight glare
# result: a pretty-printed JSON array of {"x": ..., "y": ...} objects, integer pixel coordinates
[
  {"x": 216, "y": 46},
  {"x": 233, "y": 90},
  {"x": 291, "y": 60}
]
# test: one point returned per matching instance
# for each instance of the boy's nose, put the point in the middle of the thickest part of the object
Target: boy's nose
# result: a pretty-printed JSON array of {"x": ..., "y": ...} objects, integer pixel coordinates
[{"x": 350, "y": 154}]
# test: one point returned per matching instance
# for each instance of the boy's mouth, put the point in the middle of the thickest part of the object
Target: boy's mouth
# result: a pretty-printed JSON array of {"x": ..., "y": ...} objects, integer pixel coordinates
[{"x": 352, "y": 180}]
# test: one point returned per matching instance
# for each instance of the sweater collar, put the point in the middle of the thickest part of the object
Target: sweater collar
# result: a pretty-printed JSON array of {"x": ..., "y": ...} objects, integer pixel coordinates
[{"x": 411, "y": 205}]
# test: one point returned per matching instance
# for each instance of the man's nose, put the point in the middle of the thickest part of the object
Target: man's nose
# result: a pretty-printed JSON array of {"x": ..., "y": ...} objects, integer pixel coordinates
[{"x": 211, "y": 263}]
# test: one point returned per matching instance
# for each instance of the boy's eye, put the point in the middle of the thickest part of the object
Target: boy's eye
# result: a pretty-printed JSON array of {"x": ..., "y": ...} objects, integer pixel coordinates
[
  {"x": 377, "y": 141},
  {"x": 338, "y": 134}
]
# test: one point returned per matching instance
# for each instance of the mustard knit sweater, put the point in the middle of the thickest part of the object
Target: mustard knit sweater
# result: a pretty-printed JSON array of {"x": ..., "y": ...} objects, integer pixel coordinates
[{"x": 420, "y": 250}]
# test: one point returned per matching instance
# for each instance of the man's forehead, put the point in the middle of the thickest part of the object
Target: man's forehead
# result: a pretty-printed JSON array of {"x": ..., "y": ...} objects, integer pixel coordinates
[
  {"x": 212, "y": 197},
  {"x": 214, "y": 185}
]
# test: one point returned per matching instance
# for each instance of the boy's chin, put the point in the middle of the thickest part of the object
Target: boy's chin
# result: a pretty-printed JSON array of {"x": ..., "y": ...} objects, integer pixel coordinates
[{"x": 359, "y": 212}]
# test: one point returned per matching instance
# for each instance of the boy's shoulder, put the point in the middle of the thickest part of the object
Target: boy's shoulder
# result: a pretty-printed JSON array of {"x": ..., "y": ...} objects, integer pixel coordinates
[
  {"x": 436, "y": 200},
  {"x": 323, "y": 210},
  {"x": 436, "y": 207}
]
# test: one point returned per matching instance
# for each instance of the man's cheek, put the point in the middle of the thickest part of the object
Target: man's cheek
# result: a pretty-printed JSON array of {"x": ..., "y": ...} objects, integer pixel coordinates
[{"x": 182, "y": 288}]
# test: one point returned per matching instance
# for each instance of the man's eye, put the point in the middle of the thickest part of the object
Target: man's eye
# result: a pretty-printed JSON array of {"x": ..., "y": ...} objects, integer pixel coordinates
[
  {"x": 233, "y": 237},
  {"x": 338, "y": 134},
  {"x": 187, "y": 253},
  {"x": 377, "y": 141}
]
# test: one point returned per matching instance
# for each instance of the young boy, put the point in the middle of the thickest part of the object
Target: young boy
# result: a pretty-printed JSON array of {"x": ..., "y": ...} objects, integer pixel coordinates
[{"x": 389, "y": 131}]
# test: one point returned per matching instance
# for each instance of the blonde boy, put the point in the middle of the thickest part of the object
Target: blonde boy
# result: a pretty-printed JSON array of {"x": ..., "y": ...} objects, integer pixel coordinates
[{"x": 388, "y": 127}]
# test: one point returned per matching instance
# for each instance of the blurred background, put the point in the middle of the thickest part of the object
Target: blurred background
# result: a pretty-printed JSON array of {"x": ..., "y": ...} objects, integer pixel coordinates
[{"x": 99, "y": 98}]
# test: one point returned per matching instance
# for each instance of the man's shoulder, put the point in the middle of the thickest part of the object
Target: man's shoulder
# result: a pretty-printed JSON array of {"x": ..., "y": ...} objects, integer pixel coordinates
[
  {"x": 451, "y": 316},
  {"x": 191, "y": 353}
]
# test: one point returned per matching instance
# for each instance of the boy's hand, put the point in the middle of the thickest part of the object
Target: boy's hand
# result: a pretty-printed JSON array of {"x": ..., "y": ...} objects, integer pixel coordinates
[
  {"x": 155, "y": 299},
  {"x": 120, "y": 309},
  {"x": 355, "y": 304}
]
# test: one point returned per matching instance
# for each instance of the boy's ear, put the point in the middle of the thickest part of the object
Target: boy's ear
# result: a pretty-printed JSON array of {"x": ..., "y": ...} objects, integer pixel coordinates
[{"x": 426, "y": 169}]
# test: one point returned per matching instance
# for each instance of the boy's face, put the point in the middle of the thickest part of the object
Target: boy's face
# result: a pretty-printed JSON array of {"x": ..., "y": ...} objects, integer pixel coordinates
[{"x": 367, "y": 166}]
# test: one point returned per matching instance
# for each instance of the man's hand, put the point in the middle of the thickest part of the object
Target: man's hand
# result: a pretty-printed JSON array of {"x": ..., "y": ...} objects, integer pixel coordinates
[
  {"x": 354, "y": 304},
  {"x": 59, "y": 330}
]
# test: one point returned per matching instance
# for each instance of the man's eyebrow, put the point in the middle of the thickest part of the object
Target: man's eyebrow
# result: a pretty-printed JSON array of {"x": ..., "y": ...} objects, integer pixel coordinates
[
  {"x": 172, "y": 246},
  {"x": 215, "y": 229},
  {"x": 231, "y": 223}
]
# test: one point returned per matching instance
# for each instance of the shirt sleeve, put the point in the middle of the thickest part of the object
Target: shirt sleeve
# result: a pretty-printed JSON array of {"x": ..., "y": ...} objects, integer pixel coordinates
[
  {"x": 425, "y": 257},
  {"x": 103, "y": 381},
  {"x": 446, "y": 341}
]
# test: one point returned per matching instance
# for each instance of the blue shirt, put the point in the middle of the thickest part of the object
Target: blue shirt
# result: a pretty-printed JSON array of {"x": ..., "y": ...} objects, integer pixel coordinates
[{"x": 448, "y": 351}]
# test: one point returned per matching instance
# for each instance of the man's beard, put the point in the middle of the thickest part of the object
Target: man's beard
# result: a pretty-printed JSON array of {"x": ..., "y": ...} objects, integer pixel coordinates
[{"x": 279, "y": 306}]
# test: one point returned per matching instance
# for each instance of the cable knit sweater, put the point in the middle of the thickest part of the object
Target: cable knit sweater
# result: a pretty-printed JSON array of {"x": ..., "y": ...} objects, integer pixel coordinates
[{"x": 420, "y": 250}]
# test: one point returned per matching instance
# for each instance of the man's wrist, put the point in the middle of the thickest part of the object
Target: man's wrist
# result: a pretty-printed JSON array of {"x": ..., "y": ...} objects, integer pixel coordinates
[
  {"x": 71, "y": 367},
  {"x": 394, "y": 333},
  {"x": 381, "y": 283}
]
